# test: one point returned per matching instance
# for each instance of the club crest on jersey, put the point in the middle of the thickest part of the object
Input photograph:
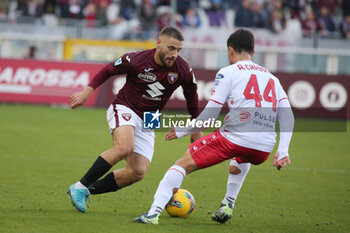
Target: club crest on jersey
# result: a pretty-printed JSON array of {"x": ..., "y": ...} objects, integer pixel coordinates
[
  {"x": 244, "y": 116},
  {"x": 172, "y": 77},
  {"x": 126, "y": 116}
]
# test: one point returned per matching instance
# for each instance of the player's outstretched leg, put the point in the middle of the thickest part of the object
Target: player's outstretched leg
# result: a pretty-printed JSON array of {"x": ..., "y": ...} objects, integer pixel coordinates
[
  {"x": 78, "y": 197},
  {"x": 224, "y": 213},
  {"x": 172, "y": 179},
  {"x": 237, "y": 174},
  {"x": 79, "y": 192},
  {"x": 147, "y": 219}
]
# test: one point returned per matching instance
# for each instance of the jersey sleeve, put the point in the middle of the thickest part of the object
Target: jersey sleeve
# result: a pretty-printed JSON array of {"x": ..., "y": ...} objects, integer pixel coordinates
[
  {"x": 281, "y": 93},
  {"x": 119, "y": 66},
  {"x": 189, "y": 86},
  {"x": 286, "y": 120},
  {"x": 222, "y": 88}
]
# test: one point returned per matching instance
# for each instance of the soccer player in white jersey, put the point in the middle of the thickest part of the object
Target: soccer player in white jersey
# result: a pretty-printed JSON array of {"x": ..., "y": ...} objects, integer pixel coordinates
[{"x": 256, "y": 100}]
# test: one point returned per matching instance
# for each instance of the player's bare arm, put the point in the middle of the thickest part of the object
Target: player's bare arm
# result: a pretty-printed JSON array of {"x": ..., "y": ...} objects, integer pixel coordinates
[
  {"x": 79, "y": 98},
  {"x": 170, "y": 135}
]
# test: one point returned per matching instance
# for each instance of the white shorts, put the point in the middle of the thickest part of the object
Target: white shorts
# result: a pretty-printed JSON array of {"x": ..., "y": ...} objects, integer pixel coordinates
[{"x": 119, "y": 115}]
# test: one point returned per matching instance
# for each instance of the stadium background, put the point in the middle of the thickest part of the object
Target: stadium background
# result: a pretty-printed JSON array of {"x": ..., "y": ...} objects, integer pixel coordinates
[{"x": 50, "y": 49}]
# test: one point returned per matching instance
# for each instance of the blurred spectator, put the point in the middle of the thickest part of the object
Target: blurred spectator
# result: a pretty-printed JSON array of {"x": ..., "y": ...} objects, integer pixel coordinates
[
  {"x": 101, "y": 12},
  {"x": 113, "y": 13},
  {"x": 89, "y": 13},
  {"x": 21, "y": 5},
  {"x": 147, "y": 17},
  {"x": 275, "y": 4},
  {"x": 251, "y": 13},
  {"x": 345, "y": 27},
  {"x": 191, "y": 19},
  {"x": 64, "y": 8},
  {"x": 297, "y": 8},
  {"x": 257, "y": 15},
  {"x": 233, "y": 4},
  {"x": 32, "y": 52},
  {"x": 163, "y": 18},
  {"x": 4, "y": 8},
  {"x": 49, "y": 6},
  {"x": 164, "y": 2},
  {"x": 216, "y": 14},
  {"x": 244, "y": 15},
  {"x": 33, "y": 9},
  {"x": 182, "y": 6},
  {"x": 345, "y": 6},
  {"x": 127, "y": 9},
  {"x": 98, "y": 2},
  {"x": 276, "y": 21},
  {"x": 74, "y": 9},
  {"x": 310, "y": 25},
  {"x": 326, "y": 21},
  {"x": 329, "y": 4}
]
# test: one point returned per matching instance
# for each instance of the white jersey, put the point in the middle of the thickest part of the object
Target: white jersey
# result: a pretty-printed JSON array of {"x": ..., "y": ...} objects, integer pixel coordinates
[{"x": 253, "y": 95}]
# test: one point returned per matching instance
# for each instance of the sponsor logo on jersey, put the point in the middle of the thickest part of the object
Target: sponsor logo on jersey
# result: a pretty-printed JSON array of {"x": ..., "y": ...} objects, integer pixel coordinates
[
  {"x": 244, "y": 116},
  {"x": 219, "y": 76},
  {"x": 147, "y": 77},
  {"x": 126, "y": 116},
  {"x": 155, "y": 89},
  {"x": 148, "y": 69},
  {"x": 172, "y": 77},
  {"x": 151, "y": 98},
  {"x": 118, "y": 62},
  {"x": 151, "y": 119}
]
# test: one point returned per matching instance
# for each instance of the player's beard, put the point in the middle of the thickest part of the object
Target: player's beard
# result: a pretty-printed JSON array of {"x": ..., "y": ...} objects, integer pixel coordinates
[{"x": 166, "y": 61}]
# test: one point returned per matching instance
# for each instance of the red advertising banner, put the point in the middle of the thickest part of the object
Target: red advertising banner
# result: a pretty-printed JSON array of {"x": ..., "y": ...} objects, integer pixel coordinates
[
  {"x": 32, "y": 81},
  {"x": 43, "y": 82}
]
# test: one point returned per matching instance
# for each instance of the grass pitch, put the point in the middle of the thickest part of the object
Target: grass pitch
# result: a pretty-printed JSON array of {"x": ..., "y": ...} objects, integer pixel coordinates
[{"x": 43, "y": 150}]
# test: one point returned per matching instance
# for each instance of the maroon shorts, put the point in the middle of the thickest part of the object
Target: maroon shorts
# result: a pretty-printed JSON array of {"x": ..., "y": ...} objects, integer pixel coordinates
[{"x": 215, "y": 148}]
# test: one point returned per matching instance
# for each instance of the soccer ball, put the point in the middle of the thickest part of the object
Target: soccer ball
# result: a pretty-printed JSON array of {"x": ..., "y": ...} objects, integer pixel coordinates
[{"x": 181, "y": 204}]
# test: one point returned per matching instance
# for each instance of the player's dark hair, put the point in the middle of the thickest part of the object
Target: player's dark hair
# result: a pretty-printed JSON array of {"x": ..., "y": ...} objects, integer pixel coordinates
[
  {"x": 172, "y": 32},
  {"x": 241, "y": 40}
]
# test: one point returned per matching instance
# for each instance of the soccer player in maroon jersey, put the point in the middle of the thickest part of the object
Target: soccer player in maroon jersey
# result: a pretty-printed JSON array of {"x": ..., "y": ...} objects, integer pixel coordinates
[{"x": 152, "y": 76}]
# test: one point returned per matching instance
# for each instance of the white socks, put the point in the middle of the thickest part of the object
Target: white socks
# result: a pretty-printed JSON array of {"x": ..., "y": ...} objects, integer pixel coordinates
[
  {"x": 234, "y": 182},
  {"x": 172, "y": 179},
  {"x": 80, "y": 185}
]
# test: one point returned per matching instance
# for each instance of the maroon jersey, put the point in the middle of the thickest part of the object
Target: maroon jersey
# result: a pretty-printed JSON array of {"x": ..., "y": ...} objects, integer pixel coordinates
[{"x": 149, "y": 86}]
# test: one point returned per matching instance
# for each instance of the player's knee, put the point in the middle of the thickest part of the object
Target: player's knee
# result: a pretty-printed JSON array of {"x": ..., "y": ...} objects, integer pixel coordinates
[
  {"x": 124, "y": 149},
  {"x": 234, "y": 170},
  {"x": 139, "y": 173}
]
